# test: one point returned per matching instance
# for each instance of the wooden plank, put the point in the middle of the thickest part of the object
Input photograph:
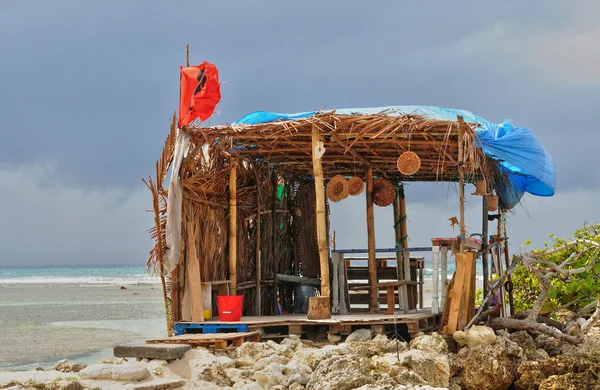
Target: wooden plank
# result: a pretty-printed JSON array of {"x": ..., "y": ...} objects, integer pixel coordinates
[
  {"x": 362, "y": 273},
  {"x": 372, "y": 262},
  {"x": 204, "y": 338},
  {"x": 193, "y": 276},
  {"x": 469, "y": 271},
  {"x": 447, "y": 300},
  {"x": 233, "y": 225},
  {"x": 456, "y": 293},
  {"x": 321, "y": 213}
]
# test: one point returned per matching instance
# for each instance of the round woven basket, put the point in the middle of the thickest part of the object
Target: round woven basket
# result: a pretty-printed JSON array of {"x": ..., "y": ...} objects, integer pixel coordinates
[
  {"x": 409, "y": 163},
  {"x": 356, "y": 186},
  {"x": 384, "y": 192},
  {"x": 492, "y": 202},
  {"x": 337, "y": 188},
  {"x": 480, "y": 188}
]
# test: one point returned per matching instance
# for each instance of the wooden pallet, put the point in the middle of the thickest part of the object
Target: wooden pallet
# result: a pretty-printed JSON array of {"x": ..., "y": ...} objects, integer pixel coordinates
[{"x": 218, "y": 341}]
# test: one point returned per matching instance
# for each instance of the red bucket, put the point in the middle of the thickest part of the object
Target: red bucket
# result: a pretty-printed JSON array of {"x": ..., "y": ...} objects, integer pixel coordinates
[{"x": 230, "y": 307}]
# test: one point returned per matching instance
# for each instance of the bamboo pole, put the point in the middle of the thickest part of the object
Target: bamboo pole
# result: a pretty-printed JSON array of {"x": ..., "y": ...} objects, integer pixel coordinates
[
  {"x": 373, "y": 290},
  {"x": 233, "y": 226},
  {"x": 484, "y": 245},
  {"x": 257, "y": 251},
  {"x": 461, "y": 184},
  {"x": 321, "y": 214}
]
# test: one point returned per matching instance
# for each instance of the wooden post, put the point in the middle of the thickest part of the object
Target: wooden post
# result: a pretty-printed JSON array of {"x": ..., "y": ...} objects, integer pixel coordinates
[
  {"x": 484, "y": 245},
  {"x": 193, "y": 276},
  {"x": 319, "y": 308},
  {"x": 257, "y": 308},
  {"x": 399, "y": 257},
  {"x": 461, "y": 185},
  {"x": 373, "y": 290},
  {"x": 233, "y": 225},
  {"x": 404, "y": 245},
  {"x": 274, "y": 239},
  {"x": 502, "y": 225},
  {"x": 321, "y": 215}
]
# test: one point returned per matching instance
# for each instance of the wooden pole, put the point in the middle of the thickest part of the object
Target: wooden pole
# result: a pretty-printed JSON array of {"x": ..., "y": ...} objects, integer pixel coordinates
[
  {"x": 274, "y": 240},
  {"x": 461, "y": 188},
  {"x": 502, "y": 224},
  {"x": 321, "y": 214},
  {"x": 398, "y": 236},
  {"x": 484, "y": 245},
  {"x": 187, "y": 55},
  {"x": 257, "y": 252},
  {"x": 373, "y": 290},
  {"x": 233, "y": 226}
]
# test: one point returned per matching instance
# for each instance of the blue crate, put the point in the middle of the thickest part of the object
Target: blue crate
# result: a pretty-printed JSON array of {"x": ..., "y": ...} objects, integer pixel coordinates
[{"x": 184, "y": 327}]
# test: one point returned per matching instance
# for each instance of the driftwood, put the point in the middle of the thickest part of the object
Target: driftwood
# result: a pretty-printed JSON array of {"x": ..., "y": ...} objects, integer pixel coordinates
[{"x": 574, "y": 330}]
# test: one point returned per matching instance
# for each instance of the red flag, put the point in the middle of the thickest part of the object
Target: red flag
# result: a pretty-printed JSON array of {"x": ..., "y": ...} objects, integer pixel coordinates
[{"x": 199, "y": 92}]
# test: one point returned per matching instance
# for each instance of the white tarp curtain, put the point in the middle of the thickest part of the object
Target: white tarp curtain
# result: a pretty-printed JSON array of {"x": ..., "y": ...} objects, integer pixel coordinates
[{"x": 173, "y": 228}]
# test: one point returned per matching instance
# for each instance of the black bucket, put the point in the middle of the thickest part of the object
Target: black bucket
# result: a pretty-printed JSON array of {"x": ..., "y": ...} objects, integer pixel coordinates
[{"x": 302, "y": 293}]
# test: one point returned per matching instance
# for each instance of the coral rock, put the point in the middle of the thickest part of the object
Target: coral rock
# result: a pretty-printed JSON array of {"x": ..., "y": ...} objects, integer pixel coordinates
[{"x": 476, "y": 335}]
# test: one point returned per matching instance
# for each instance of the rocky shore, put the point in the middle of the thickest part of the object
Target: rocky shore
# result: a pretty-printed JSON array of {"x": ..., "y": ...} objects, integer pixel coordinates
[{"x": 480, "y": 359}]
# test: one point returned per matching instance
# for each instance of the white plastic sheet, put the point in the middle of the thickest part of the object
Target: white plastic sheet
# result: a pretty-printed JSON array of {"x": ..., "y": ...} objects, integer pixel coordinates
[{"x": 173, "y": 228}]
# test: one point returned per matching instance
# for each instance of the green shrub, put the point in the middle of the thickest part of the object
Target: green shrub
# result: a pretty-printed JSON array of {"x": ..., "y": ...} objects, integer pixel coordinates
[{"x": 582, "y": 288}]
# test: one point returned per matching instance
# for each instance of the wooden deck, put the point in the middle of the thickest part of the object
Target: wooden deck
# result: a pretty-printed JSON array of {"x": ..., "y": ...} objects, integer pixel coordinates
[{"x": 423, "y": 320}]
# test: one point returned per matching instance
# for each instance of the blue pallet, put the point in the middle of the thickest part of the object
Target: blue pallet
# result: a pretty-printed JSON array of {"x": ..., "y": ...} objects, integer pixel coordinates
[{"x": 184, "y": 327}]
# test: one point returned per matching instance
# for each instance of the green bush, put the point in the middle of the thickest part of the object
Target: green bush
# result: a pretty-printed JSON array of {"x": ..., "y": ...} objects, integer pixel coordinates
[{"x": 582, "y": 288}]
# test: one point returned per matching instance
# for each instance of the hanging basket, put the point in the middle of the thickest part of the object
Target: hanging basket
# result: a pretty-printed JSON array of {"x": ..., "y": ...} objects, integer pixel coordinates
[
  {"x": 492, "y": 202},
  {"x": 384, "y": 192},
  {"x": 337, "y": 188},
  {"x": 409, "y": 163},
  {"x": 480, "y": 188},
  {"x": 356, "y": 186}
]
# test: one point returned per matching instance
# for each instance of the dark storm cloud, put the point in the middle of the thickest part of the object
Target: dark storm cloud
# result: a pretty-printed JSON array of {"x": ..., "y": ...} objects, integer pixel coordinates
[{"x": 87, "y": 88}]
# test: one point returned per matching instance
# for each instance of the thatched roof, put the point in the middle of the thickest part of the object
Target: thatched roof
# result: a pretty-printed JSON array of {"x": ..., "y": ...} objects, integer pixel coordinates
[{"x": 352, "y": 141}]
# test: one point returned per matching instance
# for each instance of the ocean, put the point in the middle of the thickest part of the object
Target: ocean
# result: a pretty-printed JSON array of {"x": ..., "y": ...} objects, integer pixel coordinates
[
  {"x": 77, "y": 275},
  {"x": 80, "y": 313}
]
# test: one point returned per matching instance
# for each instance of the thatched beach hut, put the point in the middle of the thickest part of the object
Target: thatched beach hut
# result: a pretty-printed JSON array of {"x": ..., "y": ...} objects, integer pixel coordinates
[{"x": 246, "y": 209}]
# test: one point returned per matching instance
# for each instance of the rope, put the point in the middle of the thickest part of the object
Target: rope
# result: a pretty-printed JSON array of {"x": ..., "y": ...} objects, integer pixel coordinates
[
  {"x": 400, "y": 241},
  {"x": 399, "y": 221}
]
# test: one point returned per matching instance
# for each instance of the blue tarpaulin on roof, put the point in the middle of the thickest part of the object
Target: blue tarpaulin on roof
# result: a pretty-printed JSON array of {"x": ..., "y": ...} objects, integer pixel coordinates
[{"x": 529, "y": 166}]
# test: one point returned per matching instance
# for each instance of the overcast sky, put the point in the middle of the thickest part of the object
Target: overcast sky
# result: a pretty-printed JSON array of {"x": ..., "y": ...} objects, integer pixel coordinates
[{"x": 87, "y": 89}]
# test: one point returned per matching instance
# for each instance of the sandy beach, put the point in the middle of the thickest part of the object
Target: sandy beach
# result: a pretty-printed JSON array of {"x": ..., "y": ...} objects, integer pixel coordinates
[{"x": 41, "y": 324}]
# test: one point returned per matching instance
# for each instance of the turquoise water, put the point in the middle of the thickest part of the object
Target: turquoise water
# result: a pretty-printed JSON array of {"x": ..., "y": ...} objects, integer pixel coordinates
[{"x": 77, "y": 275}]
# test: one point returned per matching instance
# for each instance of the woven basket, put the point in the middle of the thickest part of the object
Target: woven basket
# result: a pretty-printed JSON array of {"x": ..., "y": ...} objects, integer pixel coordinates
[
  {"x": 384, "y": 192},
  {"x": 480, "y": 188},
  {"x": 409, "y": 163},
  {"x": 492, "y": 202},
  {"x": 356, "y": 186},
  {"x": 337, "y": 188}
]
